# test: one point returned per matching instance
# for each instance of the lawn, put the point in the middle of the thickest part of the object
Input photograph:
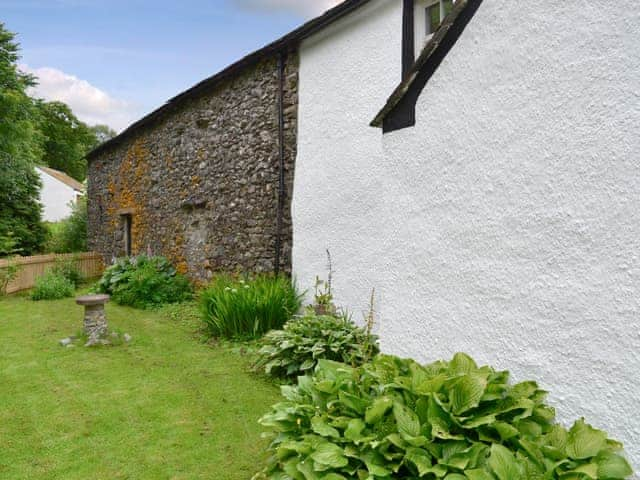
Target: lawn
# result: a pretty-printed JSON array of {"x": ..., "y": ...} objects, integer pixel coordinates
[{"x": 165, "y": 406}]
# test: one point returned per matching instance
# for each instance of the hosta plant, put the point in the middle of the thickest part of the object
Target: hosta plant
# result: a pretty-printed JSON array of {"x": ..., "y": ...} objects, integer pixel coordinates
[
  {"x": 396, "y": 419},
  {"x": 296, "y": 349},
  {"x": 144, "y": 282}
]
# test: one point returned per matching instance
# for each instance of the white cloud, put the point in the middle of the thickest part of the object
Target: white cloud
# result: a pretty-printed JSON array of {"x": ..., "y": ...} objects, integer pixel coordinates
[
  {"x": 308, "y": 8},
  {"x": 90, "y": 104}
]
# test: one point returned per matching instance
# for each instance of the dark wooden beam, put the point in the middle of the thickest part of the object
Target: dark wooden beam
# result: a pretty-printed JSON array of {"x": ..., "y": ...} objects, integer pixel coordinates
[
  {"x": 400, "y": 109},
  {"x": 408, "y": 37}
]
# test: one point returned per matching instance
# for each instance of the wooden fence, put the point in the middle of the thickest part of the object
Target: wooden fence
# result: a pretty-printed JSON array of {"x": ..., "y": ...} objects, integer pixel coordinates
[{"x": 90, "y": 265}]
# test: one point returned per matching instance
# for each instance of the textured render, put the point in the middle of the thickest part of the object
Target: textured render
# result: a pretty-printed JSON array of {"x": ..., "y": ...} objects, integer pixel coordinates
[
  {"x": 346, "y": 73},
  {"x": 202, "y": 185},
  {"x": 506, "y": 223}
]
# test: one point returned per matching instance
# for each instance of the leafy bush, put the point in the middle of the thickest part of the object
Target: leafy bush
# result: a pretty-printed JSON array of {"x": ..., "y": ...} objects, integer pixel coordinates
[
  {"x": 296, "y": 349},
  {"x": 69, "y": 270},
  {"x": 394, "y": 418},
  {"x": 69, "y": 235},
  {"x": 144, "y": 282},
  {"x": 8, "y": 245},
  {"x": 7, "y": 275},
  {"x": 52, "y": 286},
  {"x": 248, "y": 308}
]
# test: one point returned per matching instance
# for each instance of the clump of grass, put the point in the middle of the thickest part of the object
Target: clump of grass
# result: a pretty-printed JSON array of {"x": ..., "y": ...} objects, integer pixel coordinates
[
  {"x": 247, "y": 308},
  {"x": 52, "y": 286}
]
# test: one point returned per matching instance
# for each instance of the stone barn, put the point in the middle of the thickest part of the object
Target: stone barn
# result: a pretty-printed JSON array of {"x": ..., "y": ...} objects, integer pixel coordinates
[{"x": 203, "y": 180}]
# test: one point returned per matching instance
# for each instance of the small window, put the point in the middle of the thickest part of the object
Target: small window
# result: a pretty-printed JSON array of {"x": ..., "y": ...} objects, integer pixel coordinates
[
  {"x": 448, "y": 6},
  {"x": 126, "y": 226},
  {"x": 433, "y": 18},
  {"x": 435, "y": 14}
]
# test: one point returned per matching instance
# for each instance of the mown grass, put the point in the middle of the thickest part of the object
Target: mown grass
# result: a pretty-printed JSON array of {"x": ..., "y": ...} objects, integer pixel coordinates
[{"x": 165, "y": 406}]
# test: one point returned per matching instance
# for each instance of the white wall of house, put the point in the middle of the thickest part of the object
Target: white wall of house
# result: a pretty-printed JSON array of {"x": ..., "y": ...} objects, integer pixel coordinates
[
  {"x": 506, "y": 224},
  {"x": 56, "y": 198},
  {"x": 345, "y": 72}
]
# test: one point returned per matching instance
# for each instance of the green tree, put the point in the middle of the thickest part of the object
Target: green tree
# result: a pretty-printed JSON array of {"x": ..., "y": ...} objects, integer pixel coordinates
[
  {"x": 67, "y": 139},
  {"x": 103, "y": 133},
  {"x": 20, "y": 148},
  {"x": 70, "y": 234}
]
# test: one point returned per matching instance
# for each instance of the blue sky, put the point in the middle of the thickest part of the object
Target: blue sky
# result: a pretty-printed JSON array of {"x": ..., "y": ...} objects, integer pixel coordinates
[{"x": 115, "y": 60}]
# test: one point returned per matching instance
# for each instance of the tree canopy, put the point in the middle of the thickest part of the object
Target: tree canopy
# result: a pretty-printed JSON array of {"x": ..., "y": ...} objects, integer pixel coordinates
[
  {"x": 66, "y": 139},
  {"x": 33, "y": 132},
  {"x": 20, "y": 148}
]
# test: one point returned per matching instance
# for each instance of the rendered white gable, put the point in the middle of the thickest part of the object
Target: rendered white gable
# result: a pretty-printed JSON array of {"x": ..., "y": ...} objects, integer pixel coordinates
[
  {"x": 56, "y": 197},
  {"x": 506, "y": 223}
]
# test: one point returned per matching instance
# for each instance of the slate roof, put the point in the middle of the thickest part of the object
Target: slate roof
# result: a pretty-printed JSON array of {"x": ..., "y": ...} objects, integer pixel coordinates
[
  {"x": 64, "y": 178},
  {"x": 282, "y": 44},
  {"x": 425, "y": 65}
]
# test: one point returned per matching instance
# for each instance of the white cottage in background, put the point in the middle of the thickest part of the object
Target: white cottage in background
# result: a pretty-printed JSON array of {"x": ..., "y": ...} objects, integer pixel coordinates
[
  {"x": 58, "y": 193},
  {"x": 495, "y": 208}
]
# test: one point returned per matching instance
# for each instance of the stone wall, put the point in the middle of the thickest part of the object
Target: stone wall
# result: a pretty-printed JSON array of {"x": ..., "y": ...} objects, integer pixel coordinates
[{"x": 201, "y": 184}]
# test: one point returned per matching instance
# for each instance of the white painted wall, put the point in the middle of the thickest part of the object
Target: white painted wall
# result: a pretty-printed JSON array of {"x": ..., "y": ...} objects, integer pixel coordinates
[
  {"x": 56, "y": 198},
  {"x": 506, "y": 224},
  {"x": 345, "y": 73}
]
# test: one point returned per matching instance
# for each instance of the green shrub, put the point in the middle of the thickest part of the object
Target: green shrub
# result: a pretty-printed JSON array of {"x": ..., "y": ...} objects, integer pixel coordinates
[
  {"x": 7, "y": 275},
  {"x": 8, "y": 245},
  {"x": 144, "y": 282},
  {"x": 68, "y": 268},
  {"x": 69, "y": 235},
  {"x": 248, "y": 308},
  {"x": 52, "y": 286},
  {"x": 296, "y": 349},
  {"x": 396, "y": 419}
]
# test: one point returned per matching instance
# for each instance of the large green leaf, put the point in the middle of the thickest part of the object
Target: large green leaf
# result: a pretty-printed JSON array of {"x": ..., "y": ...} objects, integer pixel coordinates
[
  {"x": 408, "y": 421},
  {"x": 376, "y": 464},
  {"x": 584, "y": 441},
  {"x": 505, "y": 430},
  {"x": 377, "y": 410},
  {"x": 354, "y": 430},
  {"x": 478, "y": 474},
  {"x": 320, "y": 426},
  {"x": 329, "y": 455},
  {"x": 589, "y": 470},
  {"x": 462, "y": 364},
  {"x": 466, "y": 392},
  {"x": 475, "y": 422},
  {"x": 307, "y": 469},
  {"x": 612, "y": 466},
  {"x": 440, "y": 421},
  {"x": 420, "y": 458},
  {"x": 503, "y": 463},
  {"x": 334, "y": 476},
  {"x": 425, "y": 386}
]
